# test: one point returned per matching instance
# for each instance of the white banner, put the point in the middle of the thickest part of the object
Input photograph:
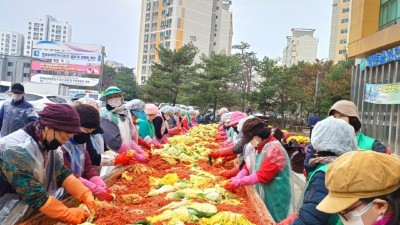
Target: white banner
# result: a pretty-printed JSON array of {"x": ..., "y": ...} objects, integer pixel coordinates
[
  {"x": 68, "y": 57},
  {"x": 67, "y": 80}
]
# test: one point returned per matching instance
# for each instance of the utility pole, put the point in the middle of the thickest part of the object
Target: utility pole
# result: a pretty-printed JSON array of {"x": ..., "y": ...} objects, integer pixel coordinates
[{"x": 316, "y": 91}]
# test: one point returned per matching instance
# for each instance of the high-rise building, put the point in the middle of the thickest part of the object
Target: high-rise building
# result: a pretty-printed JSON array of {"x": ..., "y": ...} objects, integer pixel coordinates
[
  {"x": 48, "y": 29},
  {"x": 340, "y": 26},
  {"x": 173, "y": 23},
  {"x": 11, "y": 43},
  {"x": 374, "y": 43},
  {"x": 301, "y": 46}
]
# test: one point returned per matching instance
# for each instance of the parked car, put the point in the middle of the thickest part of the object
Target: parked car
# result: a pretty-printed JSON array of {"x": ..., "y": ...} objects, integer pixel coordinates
[{"x": 39, "y": 101}]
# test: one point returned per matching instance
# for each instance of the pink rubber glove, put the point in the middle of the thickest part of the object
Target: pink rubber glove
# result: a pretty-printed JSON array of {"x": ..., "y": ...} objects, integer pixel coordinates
[
  {"x": 141, "y": 158},
  {"x": 123, "y": 148},
  {"x": 247, "y": 180},
  {"x": 173, "y": 131},
  {"x": 98, "y": 181},
  {"x": 242, "y": 173},
  {"x": 164, "y": 140},
  {"x": 135, "y": 147},
  {"x": 227, "y": 143},
  {"x": 102, "y": 193},
  {"x": 156, "y": 144}
]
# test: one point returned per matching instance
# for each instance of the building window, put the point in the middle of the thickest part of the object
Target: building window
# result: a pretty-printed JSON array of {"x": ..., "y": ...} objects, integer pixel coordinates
[
  {"x": 345, "y": 10},
  {"x": 343, "y": 41},
  {"x": 345, "y": 20},
  {"x": 10, "y": 64},
  {"x": 9, "y": 74},
  {"x": 167, "y": 45},
  {"x": 27, "y": 65},
  {"x": 144, "y": 59},
  {"x": 152, "y": 48},
  {"x": 153, "y": 37},
  {"x": 148, "y": 5},
  {"x": 152, "y": 58},
  {"x": 144, "y": 69},
  {"x": 342, "y": 52},
  {"x": 388, "y": 12},
  {"x": 344, "y": 31},
  {"x": 154, "y": 26},
  {"x": 143, "y": 79},
  {"x": 26, "y": 74}
]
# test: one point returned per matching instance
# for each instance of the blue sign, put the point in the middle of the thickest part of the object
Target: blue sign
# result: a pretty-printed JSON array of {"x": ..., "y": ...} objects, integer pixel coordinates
[
  {"x": 383, "y": 57},
  {"x": 363, "y": 64}
]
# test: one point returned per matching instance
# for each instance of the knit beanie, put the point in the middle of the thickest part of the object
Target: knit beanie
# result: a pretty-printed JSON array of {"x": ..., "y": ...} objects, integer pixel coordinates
[
  {"x": 88, "y": 115},
  {"x": 253, "y": 127},
  {"x": 60, "y": 117}
]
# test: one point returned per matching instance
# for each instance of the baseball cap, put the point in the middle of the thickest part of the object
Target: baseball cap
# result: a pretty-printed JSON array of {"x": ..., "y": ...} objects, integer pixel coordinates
[{"x": 357, "y": 175}]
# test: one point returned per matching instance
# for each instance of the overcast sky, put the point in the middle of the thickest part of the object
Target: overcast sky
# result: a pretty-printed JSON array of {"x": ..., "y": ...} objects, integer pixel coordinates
[{"x": 264, "y": 24}]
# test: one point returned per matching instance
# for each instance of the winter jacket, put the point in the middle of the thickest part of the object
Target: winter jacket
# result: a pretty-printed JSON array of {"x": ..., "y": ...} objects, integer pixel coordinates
[
  {"x": 16, "y": 115},
  {"x": 315, "y": 192}
]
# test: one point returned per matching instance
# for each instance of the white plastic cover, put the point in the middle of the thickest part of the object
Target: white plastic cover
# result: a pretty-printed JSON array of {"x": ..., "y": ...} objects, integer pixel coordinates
[{"x": 333, "y": 135}]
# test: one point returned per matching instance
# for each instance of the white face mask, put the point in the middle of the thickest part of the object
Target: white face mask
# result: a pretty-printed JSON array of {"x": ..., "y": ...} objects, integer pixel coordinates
[
  {"x": 354, "y": 217},
  {"x": 255, "y": 141},
  {"x": 17, "y": 97},
  {"x": 115, "y": 102}
]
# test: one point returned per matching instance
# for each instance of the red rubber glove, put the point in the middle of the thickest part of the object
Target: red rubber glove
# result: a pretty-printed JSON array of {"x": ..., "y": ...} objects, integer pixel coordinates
[
  {"x": 122, "y": 159},
  {"x": 230, "y": 173},
  {"x": 222, "y": 153}
]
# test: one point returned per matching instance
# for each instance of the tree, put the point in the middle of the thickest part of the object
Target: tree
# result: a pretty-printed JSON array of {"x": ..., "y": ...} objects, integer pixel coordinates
[
  {"x": 248, "y": 62},
  {"x": 336, "y": 85},
  {"x": 273, "y": 92},
  {"x": 107, "y": 77},
  {"x": 213, "y": 85},
  {"x": 125, "y": 80},
  {"x": 170, "y": 74}
]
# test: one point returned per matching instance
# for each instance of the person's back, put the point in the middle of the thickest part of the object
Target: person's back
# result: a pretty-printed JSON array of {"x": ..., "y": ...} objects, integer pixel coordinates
[{"x": 16, "y": 113}]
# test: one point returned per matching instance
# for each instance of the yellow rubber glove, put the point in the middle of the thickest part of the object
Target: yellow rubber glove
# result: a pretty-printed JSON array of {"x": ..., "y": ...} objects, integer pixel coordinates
[
  {"x": 55, "y": 209},
  {"x": 75, "y": 188}
]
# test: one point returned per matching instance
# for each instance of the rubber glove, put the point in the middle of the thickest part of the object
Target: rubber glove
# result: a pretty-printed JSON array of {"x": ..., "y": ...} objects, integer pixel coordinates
[
  {"x": 222, "y": 153},
  {"x": 55, "y": 209},
  {"x": 122, "y": 159},
  {"x": 242, "y": 173},
  {"x": 143, "y": 143},
  {"x": 228, "y": 158},
  {"x": 230, "y": 173},
  {"x": 123, "y": 148},
  {"x": 103, "y": 193},
  {"x": 98, "y": 181},
  {"x": 247, "y": 180},
  {"x": 156, "y": 144},
  {"x": 135, "y": 147},
  {"x": 141, "y": 158},
  {"x": 75, "y": 188},
  {"x": 227, "y": 143},
  {"x": 288, "y": 220}
]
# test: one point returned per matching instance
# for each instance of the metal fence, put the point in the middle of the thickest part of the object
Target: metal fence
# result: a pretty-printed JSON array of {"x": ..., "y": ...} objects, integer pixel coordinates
[{"x": 381, "y": 122}]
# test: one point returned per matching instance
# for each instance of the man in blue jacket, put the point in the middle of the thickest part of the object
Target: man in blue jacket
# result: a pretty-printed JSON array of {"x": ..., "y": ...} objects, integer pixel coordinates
[
  {"x": 17, "y": 113},
  {"x": 312, "y": 121}
]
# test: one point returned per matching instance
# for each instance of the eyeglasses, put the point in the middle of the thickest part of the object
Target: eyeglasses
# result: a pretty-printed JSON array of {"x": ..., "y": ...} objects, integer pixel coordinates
[{"x": 358, "y": 213}]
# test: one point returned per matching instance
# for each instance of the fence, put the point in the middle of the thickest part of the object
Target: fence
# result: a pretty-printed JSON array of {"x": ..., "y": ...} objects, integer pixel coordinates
[{"x": 379, "y": 121}]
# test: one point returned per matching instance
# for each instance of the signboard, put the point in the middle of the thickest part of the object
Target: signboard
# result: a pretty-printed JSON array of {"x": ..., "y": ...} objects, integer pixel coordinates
[
  {"x": 67, "y": 80},
  {"x": 66, "y": 63},
  {"x": 383, "y": 57},
  {"x": 382, "y": 93},
  {"x": 63, "y": 67}
]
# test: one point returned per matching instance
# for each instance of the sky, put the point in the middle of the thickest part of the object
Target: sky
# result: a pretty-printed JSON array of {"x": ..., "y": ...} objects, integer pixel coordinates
[{"x": 264, "y": 24}]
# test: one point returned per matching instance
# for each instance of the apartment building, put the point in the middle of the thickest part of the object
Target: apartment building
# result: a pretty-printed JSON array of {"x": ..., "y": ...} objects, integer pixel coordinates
[
  {"x": 48, "y": 29},
  {"x": 340, "y": 27},
  {"x": 11, "y": 43},
  {"x": 300, "y": 46},
  {"x": 173, "y": 23}
]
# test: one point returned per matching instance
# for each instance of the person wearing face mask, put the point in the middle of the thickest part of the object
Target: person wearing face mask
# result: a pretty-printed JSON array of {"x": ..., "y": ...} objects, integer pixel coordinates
[
  {"x": 362, "y": 194},
  {"x": 347, "y": 111},
  {"x": 331, "y": 138},
  {"x": 16, "y": 113},
  {"x": 267, "y": 166},
  {"x": 161, "y": 125},
  {"x": 77, "y": 158},
  {"x": 172, "y": 130},
  {"x": 31, "y": 171},
  {"x": 118, "y": 128},
  {"x": 184, "y": 121},
  {"x": 137, "y": 108},
  {"x": 193, "y": 117},
  {"x": 228, "y": 152}
]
